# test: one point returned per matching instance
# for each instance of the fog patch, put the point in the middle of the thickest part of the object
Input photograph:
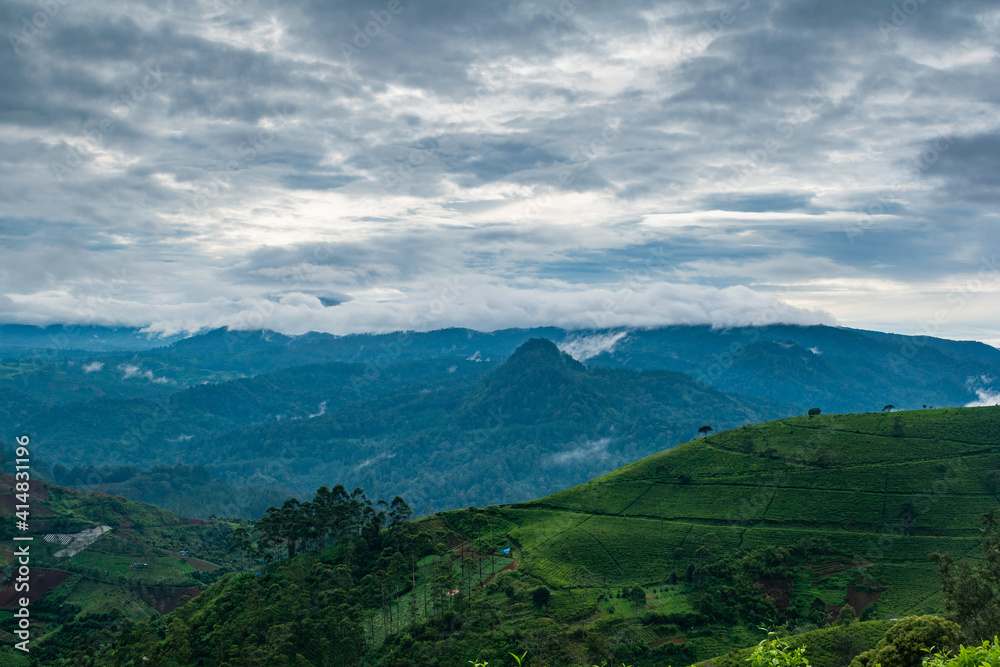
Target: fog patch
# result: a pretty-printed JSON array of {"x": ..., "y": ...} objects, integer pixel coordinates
[
  {"x": 588, "y": 347},
  {"x": 585, "y": 450},
  {"x": 373, "y": 460},
  {"x": 986, "y": 397},
  {"x": 133, "y": 371}
]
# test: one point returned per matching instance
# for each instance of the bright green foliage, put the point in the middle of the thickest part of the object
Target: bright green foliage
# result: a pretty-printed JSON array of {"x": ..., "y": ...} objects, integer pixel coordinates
[
  {"x": 829, "y": 647},
  {"x": 907, "y": 642},
  {"x": 986, "y": 655},
  {"x": 774, "y": 652}
]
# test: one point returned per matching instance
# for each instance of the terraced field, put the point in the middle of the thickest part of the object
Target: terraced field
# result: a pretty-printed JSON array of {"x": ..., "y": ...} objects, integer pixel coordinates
[{"x": 880, "y": 492}]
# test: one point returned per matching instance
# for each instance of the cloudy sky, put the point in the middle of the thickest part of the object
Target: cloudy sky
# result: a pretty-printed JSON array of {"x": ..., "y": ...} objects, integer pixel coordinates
[{"x": 386, "y": 164}]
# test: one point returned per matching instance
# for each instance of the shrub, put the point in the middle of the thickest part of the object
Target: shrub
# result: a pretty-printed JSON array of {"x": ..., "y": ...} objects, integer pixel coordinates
[{"x": 905, "y": 644}]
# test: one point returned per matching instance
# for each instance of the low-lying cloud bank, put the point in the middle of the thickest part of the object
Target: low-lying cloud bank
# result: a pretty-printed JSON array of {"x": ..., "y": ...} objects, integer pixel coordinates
[{"x": 459, "y": 302}]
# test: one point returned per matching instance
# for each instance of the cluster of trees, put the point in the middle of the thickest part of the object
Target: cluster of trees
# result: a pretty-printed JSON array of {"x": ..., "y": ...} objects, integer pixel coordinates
[
  {"x": 333, "y": 516},
  {"x": 971, "y": 590},
  {"x": 728, "y": 589}
]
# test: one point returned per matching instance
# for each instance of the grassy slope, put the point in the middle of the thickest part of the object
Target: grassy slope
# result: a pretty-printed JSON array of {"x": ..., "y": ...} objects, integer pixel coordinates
[
  {"x": 851, "y": 479},
  {"x": 101, "y": 577}
]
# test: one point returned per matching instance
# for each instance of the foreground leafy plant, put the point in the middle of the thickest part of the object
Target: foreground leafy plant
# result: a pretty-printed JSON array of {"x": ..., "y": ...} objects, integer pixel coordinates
[
  {"x": 987, "y": 655},
  {"x": 520, "y": 661},
  {"x": 773, "y": 652}
]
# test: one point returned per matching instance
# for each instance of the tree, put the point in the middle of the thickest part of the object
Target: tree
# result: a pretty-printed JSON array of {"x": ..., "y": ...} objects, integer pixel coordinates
[
  {"x": 399, "y": 512},
  {"x": 814, "y": 411},
  {"x": 905, "y": 643},
  {"x": 971, "y": 593},
  {"x": 705, "y": 430},
  {"x": 846, "y": 615},
  {"x": 636, "y": 595},
  {"x": 240, "y": 541},
  {"x": 888, "y": 408},
  {"x": 541, "y": 596},
  {"x": 177, "y": 645}
]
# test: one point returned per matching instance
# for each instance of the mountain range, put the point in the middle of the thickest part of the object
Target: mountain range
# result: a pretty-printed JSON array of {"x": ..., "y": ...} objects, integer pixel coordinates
[{"x": 447, "y": 418}]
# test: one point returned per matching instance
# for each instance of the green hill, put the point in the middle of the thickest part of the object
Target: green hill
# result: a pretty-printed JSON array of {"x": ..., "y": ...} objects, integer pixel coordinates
[
  {"x": 676, "y": 558},
  {"x": 82, "y": 554}
]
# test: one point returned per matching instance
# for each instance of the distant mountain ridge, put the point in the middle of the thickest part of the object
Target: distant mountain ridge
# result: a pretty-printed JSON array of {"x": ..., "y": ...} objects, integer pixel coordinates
[{"x": 835, "y": 368}]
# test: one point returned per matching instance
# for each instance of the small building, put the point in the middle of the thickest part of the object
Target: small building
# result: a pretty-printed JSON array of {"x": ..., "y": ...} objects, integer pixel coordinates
[
  {"x": 185, "y": 552},
  {"x": 506, "y": 551}
]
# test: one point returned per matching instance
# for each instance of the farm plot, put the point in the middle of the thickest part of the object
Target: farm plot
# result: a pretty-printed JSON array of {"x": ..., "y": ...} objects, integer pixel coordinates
[
  {"x": 826, "y": 507},
  {"x": 956, "y": 515},
  {"x": 833, "y": 479},
  {"x": 599, "y": 498},
  {"x": 693, "y": 501},
  {"x": 537, "y": 526}
]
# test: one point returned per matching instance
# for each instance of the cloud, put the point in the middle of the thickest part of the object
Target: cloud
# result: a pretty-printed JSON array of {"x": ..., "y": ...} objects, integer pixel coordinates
[
  {"x": 586, "y": 347},
  {"x": 373, "y": 460},
  {"x": 93, "y": 367},
  {"x": 587, "y": 450},
  {"x": 986, "y": 397},
  {"x": 251, "y": 154},
  {"x": 133, "y": 371}
]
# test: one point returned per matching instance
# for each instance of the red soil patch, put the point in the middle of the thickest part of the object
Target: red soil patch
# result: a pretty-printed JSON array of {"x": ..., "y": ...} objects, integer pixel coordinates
[
  {"x": 165, "y": 600},
  {"x": 35, "y": 487},
  {"x": 41, "y": 582},
  {"x": 469, "y": 553},
  {"x": 777, "y": 590},
  {"x": 9, "y": 500},
  {"x": 512, "y": 566},
  {"x": 37, "y": 492},
  {"x": 861, "y": 599},
  {"x": 201, "y": 565},
  {"x": 857, "y": 599}
]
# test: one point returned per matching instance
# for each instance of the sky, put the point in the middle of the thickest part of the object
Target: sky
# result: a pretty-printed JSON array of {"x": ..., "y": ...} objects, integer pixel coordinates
[{"x": 416, "y": 164}]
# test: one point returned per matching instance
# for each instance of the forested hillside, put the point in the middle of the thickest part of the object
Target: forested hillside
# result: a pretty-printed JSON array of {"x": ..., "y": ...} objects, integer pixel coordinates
[{"x": 538, "y": 422}]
